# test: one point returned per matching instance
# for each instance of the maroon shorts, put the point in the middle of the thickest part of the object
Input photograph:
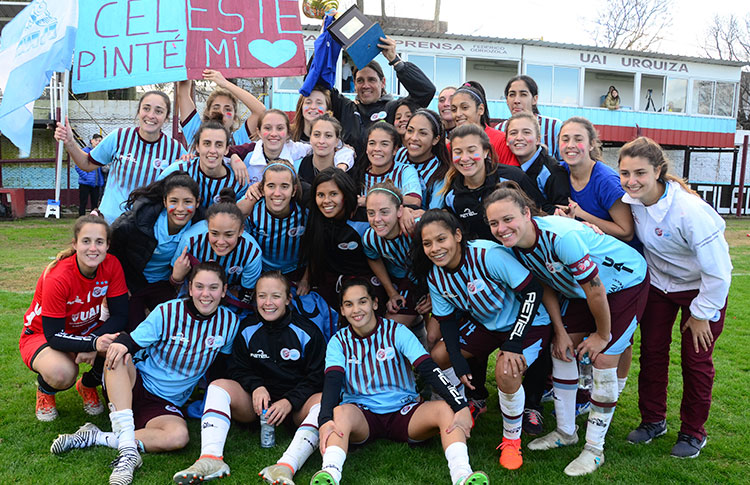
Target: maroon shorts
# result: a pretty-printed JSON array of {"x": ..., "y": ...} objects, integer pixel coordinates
[
  {"x": 626, "y": 309},
  {"x": 147, "y": 406},
  {"x": 411, "y": 292},
  {"x": 392, "y": 426},
  {"x": 477, "y": 340}
]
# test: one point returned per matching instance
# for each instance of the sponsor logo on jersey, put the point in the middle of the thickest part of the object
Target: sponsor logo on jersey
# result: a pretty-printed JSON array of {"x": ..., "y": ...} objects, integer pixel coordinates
[
  {"x": 290, "y": 354},
  {"x": 179, "y": 337},
  {"x": 234, "y": 270},
  {"x": 476, "y": 286},
  {"x": 213, "y": 341},
  {"x": 296, "y": 231},
  {"x": 259, "y": 355},
  {"x": 353, "y": 360},
  {"x": 447, "y": 294},
  {"x": 348, "y": 246},
  {"x": 77, "y": 299},
  {"x": 467, "y": 213},
  {"x": 85, "y": 316},
  {"x": 385, "y": 353}
]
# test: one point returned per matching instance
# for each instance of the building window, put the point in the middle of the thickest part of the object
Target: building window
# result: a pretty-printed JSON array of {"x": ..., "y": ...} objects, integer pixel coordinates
[
  {"x": 557, "y": 85},
  {"x": 442, "y": 71},
  {"x": 676, "y": 97},
  {"x": 713, "y": 98},
  {"x": 724, "y": 99}
]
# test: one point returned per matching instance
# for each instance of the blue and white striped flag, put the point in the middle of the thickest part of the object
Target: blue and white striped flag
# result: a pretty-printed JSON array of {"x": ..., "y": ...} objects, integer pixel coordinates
[{"x": 35, "y": 44}]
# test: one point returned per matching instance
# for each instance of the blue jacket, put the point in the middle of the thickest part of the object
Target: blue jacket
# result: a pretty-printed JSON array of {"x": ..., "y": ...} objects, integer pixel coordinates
[{"x": 94, "y": 178}]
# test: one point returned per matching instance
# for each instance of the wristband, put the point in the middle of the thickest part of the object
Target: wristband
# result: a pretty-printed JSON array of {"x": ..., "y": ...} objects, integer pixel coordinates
[{"x": 395, "y": 60}]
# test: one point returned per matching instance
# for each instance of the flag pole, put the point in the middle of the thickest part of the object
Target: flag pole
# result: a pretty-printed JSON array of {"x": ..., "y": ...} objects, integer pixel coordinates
[{"x": 59, "y": 103}]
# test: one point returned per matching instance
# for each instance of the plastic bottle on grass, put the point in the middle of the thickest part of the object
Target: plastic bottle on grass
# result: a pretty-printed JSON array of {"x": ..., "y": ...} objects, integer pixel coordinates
[{"x": 267, "y": 432}]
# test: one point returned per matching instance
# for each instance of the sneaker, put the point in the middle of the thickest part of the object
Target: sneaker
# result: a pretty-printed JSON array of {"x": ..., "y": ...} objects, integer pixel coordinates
[
  {"x": 548, "y": 396},
  {"x": 46, "y": 409},
  {"x": 532, "y": 422},
  {"x": 510, "y": 454},
  {"x": 477, "y": 408},
  {"x": 645, "y": 432},
  {"x": 83, "y": 438},
  {"x": 476, "y": 478},
  {"x": 322, "y": 477},
  {"x": 688, "y": 446},
  {"x": 555, "y": 439},
  {"x": 581, "y": 408},
  {"x": 277, "y": 475},
  {"x": 587, "y": 462},
  {"x": 204, "y": 469},
  {"x": 128, "y": 461},
  {"x": 91, "y": 403}
]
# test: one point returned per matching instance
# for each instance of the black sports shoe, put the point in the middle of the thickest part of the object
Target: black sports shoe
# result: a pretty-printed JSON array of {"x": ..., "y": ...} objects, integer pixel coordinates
[
  {"x": 645, "y": 432},
  {"x": 688, "y": 446},
  {"x": 532, "y": 422}
]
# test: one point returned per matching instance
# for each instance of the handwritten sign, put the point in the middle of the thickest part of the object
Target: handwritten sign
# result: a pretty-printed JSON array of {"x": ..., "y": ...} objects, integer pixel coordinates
[{"x": 123, "y": 43}]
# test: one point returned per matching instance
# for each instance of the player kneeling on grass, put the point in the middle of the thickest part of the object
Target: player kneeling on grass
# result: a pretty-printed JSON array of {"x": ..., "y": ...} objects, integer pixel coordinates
[
  {"x": 171, "y": 350},
  {"x": 277, "y": 368},
  {"x": 62, "y": 327},
  {"x": 371, "y": 360}
]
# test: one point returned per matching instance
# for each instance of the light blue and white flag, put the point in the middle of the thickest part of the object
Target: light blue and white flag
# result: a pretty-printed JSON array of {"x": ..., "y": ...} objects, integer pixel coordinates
[{"x": 35, "y": 44}]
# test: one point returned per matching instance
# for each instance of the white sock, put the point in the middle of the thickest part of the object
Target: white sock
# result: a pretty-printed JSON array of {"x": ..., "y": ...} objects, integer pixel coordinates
[
  {"x": 511, "y": 406},
  {"x": 123, "y": 427},
  {"x": 621, "y": 381},
  {"x": 333, "y": 462},
  {"x": 565, "y": 385},
  {"x": 304, "y": 442},
  {"x": 217, "y": 416},
  {"x": 455, "y": 381},
  {"x": 106, "y": 438},
  {"x": 603, "y": 402},
  {"x": 458, "y": 461}
]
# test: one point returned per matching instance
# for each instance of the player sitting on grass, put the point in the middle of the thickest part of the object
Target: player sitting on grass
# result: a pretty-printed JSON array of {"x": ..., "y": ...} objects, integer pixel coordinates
[
  {"x": 171, "y": 350},
  {"x": 371, "y": 361}
]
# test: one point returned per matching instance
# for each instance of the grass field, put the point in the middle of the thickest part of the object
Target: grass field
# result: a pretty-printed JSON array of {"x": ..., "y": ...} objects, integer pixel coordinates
[{"x": 27, "y": 246}]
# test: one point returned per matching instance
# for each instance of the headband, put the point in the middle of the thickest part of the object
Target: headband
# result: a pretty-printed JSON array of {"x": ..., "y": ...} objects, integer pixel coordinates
[
  {"x": 470, "y": 90},
  {"x": 383, "y": 189},
  {"x": 435, "y": 122},
  {"x": 277, "y": 164}
]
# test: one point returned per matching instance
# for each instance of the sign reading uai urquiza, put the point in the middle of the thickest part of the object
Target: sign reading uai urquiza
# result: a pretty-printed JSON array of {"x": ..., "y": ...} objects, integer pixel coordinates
[{"x": 123, "y": 43}]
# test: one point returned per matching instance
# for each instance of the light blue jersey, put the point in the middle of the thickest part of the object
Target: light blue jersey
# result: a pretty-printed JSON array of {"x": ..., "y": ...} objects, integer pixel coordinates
[
  {"x": 134, "y": 162},
  {"x": 568, "y": 253},
  {"x": 404, "y": 177},
  {"x": 178, "y": 347},
  {"x": 484, "y": 285},
  {"x": 159, "y": 267},
  {"x": 394, "y": 252},
  {"x": 280, "y": 239},
  {"x": 210, "y": 187},
  {"x": 378, "y": 368}
]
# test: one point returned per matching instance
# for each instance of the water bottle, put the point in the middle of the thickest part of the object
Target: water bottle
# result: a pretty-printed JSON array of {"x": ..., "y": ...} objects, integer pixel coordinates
[
  {"x": 585, "y": 377},
  {"x": 267, "y": 432}
]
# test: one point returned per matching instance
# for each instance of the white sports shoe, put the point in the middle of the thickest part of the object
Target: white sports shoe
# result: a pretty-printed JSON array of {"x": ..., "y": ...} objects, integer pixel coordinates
[
  {"x": 83, "y": 438},
  {"x": 127, "y": 462},
  {"x": 202, "y": 470},
  {"x": 277, "y": 475},
  {"x": 587, "y": 462},
  {"x": 555, "y": 439}
]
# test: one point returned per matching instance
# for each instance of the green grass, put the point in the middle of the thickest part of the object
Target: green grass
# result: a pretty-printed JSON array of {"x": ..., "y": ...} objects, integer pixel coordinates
[{"x": 26, "y": 246}]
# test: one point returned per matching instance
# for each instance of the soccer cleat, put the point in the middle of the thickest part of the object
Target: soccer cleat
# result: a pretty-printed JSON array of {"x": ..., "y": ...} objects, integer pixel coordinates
[
  {"x": 555, "y": 439},
  {"x": 46, "y": 409},
  {"x": 645, "y": 432},
  {"x": 510, "y": 454},
  {"x": 688, "y": 446},
  {"x": 277, "y": 475},
  {"x": 587, "y": 462},
  {"x": 476, "y": 478},
  {"x": 91, "y": 403},
  {"x": 128, "y": 461},
  {"x": 532, "y": 422},
  {"x": 477, "y": 408},
  {"x": 204, "y": 469},
  {"x": 322, "y": 477},
  {"x": 83, "y": 438}
]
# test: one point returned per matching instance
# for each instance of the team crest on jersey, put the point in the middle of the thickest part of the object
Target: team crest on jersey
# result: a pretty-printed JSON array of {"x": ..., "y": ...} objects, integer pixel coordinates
[
  {"x": 553, "y": 267},
  {"x": 380, "y": 115},
  {"x": 296, "y": 231},
  {"x": 158, "y": 164},
  {"x": 290, "y": 354},
  {"x": 348, "y": 246},
  {"x": 476, "y": 286},
  {"x": 213, "y": 341},
  {"x": 583, "y": 264},
  {"x": 99, "y": 291},
  {"x": 385, "y": 353},
  {"x": 234, "y": 269}
]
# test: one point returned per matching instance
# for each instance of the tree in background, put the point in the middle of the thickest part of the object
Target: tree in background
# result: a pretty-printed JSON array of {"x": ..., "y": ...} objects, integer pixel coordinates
[
  {"x": 632, "y": 24},
  {"x": 728, "y": 38}
]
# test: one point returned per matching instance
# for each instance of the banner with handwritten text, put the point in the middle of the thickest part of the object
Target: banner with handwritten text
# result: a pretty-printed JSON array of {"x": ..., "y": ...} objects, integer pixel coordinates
[{"x": 124, "y": 43}]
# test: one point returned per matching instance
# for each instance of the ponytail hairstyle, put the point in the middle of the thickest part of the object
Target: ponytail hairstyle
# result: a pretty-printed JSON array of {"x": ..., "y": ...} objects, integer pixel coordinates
[
  {"x": 388, "y": 188},
  {"x": 227, "y": 205},
  {"x": 651, "y": 151},
  {"x": 511, "y": 190},
  {"x": 211, "y": 98},
  {"x": 281, "y": 165},
  {"x": 530, "y": 85},
  {"x": 439, "y": 150},
  {"x": 298, "y": 127},
  {"x": 155, "y": 192},
  {"x": 525, "y": 115},
  {"x": 475, "y": 92},
  {"x": 316, "y": 237},
  {"x": 213, "y": 122},
  {"x": 362, "y": 168},
  {"x": 421, "y": 264},
  {"x": 596, "y": 144},
  {"x": 92, "y": 218},
  {"x": 490, "y": 163},
  {"x": 211, "y": 266}
]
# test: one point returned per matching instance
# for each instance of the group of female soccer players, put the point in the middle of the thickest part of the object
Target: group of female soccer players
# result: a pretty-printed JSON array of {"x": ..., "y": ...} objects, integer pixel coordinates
[{"x": 438, "y": 240}]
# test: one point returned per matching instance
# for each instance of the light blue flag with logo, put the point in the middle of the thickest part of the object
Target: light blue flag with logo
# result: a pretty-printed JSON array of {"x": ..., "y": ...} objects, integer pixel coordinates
[{"x": 36, "y": 43}]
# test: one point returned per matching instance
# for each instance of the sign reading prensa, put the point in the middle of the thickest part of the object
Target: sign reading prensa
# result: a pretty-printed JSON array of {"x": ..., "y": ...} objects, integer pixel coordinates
[{"x": 123, "y": 43}]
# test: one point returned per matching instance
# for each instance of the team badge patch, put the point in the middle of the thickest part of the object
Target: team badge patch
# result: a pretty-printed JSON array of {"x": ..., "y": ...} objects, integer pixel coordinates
[
  {"x": 290, "y": 354},
  {"x": 213, "y": 341},
  {"x": 476, "y": 286},
  {"x": 385, "y": 353}
]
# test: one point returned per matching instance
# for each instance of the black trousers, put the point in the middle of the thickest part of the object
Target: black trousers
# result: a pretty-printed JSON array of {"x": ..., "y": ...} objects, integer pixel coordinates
[{"x": 86, "y": 192}]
